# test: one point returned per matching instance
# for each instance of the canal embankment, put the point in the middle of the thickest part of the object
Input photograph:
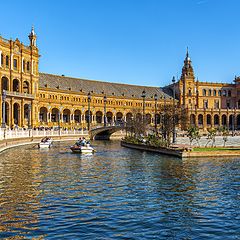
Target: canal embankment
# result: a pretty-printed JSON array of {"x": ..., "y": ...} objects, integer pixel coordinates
[
  {"x": 186, "y": 151},
  {"x": 10, "y": 139},
  {"x": 16, "y": 142}
]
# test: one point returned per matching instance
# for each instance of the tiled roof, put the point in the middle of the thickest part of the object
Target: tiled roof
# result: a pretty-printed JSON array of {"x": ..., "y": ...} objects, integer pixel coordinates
[{"x": 51, "y": 81}]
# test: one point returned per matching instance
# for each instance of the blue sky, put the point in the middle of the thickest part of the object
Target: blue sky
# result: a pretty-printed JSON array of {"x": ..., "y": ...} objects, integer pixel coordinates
[{"x": 130, "y": 41}]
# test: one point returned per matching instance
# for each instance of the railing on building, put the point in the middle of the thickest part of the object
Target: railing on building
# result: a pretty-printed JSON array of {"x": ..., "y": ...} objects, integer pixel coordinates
[
  {"x": 18, "y": 94},
  {"x": 21, "y": 133}
]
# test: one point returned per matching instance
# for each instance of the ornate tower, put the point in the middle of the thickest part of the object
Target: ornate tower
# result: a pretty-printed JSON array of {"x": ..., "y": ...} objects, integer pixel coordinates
[
  {"x": 187, "y": 84},
  {"x": 33, "y": 38}
]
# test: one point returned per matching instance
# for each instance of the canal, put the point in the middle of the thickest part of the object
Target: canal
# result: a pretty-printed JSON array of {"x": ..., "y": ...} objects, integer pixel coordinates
[{"x": 117, "y": 193}]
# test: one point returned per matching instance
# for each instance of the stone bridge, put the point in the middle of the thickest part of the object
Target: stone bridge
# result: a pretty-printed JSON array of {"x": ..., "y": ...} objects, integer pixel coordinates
[{"x": 104, "y": 133}]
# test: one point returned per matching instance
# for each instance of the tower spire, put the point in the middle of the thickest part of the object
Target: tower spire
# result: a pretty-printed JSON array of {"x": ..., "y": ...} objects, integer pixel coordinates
[{"x": 33, "y": 37}]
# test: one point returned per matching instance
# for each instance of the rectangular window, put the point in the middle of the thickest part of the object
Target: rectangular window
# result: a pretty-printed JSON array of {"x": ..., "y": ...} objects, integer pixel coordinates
[
  {"x": 15, "y": 64},
  {"x": 1, "y": 59},
  {"x": 205, "y": 103},
  {"x": 7, "y": 61},
  {"x": 216, "y": 104},
  {"x": 228, "y": 104},
  {"x": 28, "y": 66}
]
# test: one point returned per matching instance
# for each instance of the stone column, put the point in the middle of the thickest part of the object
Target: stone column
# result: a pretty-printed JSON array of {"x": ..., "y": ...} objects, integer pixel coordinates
[{"x": 21, "y": 114}]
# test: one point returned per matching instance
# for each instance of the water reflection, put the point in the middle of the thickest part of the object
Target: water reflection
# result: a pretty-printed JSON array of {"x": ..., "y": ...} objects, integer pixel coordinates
[{"x": 116, "y": 193}]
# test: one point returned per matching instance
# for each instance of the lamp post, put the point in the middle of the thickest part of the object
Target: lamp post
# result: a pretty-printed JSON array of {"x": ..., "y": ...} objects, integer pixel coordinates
[
  {"x": 174, "y": 124},
  {"x": 89, "y": 100},
  {"x": 233, "y": 123},
  {"x": 105, "y": 116},
  {"x": 155, "y": 110},
  {"x": 143, "y": 96},
  {"x": 59, "y": 120},
  {"x": 164, "y": 119},
  {"x": 3, "y": 109},
  {"x": 29, "y": 115}
]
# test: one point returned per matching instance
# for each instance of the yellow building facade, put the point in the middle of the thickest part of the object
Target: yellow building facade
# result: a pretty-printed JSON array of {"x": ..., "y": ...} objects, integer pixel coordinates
[
  {"x": 33, "y": 99},
  {"x": 208, "y": 104}
]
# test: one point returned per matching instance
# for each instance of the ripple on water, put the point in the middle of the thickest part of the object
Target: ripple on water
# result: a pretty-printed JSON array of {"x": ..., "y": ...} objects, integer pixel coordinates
[{"x": 116, "y": 193}]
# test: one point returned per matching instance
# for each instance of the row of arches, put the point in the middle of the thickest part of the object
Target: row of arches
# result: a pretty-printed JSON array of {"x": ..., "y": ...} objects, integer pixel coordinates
[
  {"x": 78, "y": 116},
  {"x": 13, "y": 116},
  {"x": 233, "y": 121},
  {"x": 16, "y": 85},
  {"x": 210, "y": 92}
]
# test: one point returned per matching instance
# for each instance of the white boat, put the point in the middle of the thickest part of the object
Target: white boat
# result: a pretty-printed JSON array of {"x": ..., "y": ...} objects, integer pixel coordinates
[
  {"x": 45, "y": 143},
  {"x": 82, "y": 149}
]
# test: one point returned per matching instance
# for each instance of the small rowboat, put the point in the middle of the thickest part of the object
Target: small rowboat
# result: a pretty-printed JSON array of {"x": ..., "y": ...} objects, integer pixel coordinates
[
  {"x": 45, "y": 143},
  {"x": 82, "y": 149}
]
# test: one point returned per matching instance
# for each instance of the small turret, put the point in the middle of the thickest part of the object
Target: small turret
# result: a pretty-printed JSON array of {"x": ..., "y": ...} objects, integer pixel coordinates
[{"x": 33, "y": 38}]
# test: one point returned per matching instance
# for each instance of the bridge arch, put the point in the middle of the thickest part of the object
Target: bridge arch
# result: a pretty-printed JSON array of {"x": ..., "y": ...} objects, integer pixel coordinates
[{"x": 104, "y": 133}]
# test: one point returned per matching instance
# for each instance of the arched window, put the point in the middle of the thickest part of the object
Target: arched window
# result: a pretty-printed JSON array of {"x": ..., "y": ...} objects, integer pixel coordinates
[
  {"x": 192, "y": 119},
  {"x": 214, "y": 93},
  {"x": 209, "y": 92},
  {"x": 43, "y": 114},
  {"x": 224, "y": 120},
  {"x": 189, "y": 92},
  {"x": 148, "y": 118},
  {"x": 77, "y": 116},
  {"x": 204, "y": 92},
  {"x": 216, "y": 119},
  {"x": 219, "y": 93},
  {"x": 25, "y": 87},
  {"x": 4, "y": 83},
  {"x": 16, "y": 85},
  {"x": 129, "y": 117},
  {"x": 99, "y": 116},
  {"x": 200, "y": 119}
]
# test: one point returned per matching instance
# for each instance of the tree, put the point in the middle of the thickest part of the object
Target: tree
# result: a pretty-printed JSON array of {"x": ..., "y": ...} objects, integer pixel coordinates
[
  {"x": 211, "y": 136},
  {"x": 225, "y": 133},
  {"x": 171, "y": 118},
  {"x": 136, "y": 126},
  {"x": 193, "y": 134}
]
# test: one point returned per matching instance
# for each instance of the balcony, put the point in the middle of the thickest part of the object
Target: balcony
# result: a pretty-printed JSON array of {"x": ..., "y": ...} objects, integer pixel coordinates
[{"x": 18, "y": 94}]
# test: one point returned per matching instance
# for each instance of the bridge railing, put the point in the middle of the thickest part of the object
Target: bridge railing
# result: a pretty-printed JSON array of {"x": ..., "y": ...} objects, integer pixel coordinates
[{"x": 117, "y": 124}]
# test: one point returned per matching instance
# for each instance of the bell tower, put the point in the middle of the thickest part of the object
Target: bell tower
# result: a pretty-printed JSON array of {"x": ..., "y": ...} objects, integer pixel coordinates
[
  {"x": 33, "y": 38},
  {"x": 187, "y": 84}
]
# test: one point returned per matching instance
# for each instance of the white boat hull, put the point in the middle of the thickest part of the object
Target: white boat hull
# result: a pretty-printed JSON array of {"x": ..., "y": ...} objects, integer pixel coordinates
[
  {"x": 47, "y": 144},
  {"x": 82, "y": 149}
]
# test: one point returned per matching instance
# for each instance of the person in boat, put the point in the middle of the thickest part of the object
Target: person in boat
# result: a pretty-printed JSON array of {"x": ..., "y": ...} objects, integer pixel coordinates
[
  {"x": 83, "y": 143},
  {"x": 45, "y": 139},
  {"x": 79, "y": 142}
]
